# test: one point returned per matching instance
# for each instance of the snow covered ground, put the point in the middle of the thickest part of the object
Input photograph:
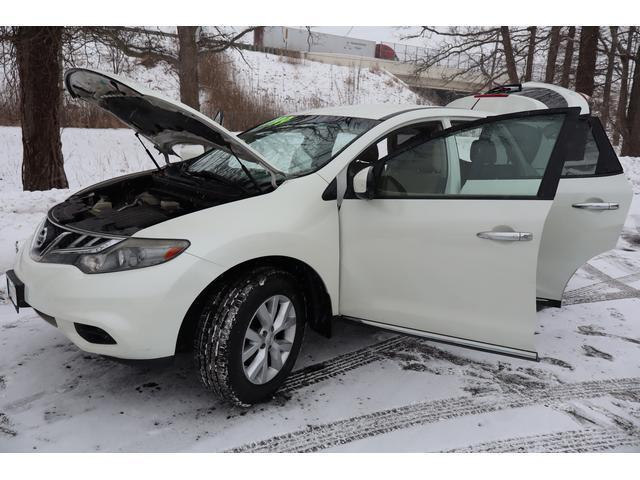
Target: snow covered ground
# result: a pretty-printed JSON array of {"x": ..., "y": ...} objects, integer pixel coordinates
[
  {"x": 363, "y": 390},
  {"x": 297, "y": 84}
]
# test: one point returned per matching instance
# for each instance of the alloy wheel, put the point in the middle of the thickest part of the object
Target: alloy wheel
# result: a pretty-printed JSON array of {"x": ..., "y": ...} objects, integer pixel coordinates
[{"x": 269, "y": 339}]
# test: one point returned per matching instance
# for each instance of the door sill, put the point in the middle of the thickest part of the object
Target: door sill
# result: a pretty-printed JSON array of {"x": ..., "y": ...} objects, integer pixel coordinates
[{"x": 460, "y": 342}]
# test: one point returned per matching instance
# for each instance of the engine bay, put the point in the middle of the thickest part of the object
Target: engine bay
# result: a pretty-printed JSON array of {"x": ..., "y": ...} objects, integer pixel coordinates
[{"x": 129, "y": 204}]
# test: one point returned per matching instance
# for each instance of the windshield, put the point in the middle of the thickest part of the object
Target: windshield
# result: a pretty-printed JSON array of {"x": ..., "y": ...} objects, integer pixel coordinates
[{"x": 296, "y": 144}]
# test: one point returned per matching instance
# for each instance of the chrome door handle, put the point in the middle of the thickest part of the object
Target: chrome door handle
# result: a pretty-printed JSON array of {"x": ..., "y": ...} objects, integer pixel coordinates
[
  {"x": 597, "y": 206},
  {"x": 506, "y": 236}
]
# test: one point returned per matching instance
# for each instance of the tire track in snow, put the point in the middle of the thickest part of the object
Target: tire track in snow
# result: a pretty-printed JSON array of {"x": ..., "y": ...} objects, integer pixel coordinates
[
  {"x": 346, "y": 362},
  {"x": 593, "y": 293},
  {"x": 318, "y": 437},
  {"x": 341, "y": 364},
  {"x": 573, "y": 441}
]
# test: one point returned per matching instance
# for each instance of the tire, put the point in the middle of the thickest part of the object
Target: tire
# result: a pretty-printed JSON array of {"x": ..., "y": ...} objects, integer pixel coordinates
[{"x": 221, "y": 337}]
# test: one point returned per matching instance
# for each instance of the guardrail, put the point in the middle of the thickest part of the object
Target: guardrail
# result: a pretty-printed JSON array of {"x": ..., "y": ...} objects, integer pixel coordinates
[{"x": 407, "y": 54}]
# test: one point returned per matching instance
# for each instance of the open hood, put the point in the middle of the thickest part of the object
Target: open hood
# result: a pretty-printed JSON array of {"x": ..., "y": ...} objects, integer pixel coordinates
[{"x": 162, "y": 121}]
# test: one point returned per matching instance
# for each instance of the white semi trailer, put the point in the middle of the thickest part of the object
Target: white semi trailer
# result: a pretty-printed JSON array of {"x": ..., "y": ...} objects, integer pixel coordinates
[{"x": 301, "y": 40}]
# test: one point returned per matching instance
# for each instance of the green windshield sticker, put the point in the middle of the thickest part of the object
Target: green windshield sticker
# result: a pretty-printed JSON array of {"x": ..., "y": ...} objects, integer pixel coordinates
[{"x": 279, "y": 121}]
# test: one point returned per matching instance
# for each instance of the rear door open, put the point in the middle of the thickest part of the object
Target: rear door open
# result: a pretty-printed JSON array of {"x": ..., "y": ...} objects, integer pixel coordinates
[{"x": 588, "y": 211}]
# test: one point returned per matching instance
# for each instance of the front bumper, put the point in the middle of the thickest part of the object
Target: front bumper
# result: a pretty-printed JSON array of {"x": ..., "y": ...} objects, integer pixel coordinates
[{"x": 142, "y": 310}]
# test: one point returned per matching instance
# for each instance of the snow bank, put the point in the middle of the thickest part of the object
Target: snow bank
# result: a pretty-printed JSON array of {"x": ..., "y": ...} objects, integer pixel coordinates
[
  {"x": 90, "y": 155},
  {"x": 631, "y": 167}
]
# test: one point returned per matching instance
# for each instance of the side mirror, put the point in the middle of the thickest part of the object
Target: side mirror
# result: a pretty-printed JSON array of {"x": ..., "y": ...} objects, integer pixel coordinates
[
  {"x": 188, "y": 151},
  {"x": 363, "y": 184}
]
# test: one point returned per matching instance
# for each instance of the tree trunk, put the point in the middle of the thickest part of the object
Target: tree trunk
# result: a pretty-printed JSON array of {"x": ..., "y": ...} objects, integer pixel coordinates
[
  {"x": 188, "y": 67},
  {"x": 631, "y": 142},
  {"x": 38, "y": 55},
  {"x": 586, "y": 70},
  {"x": 606, "y": 94},
  {"x": 568, "y": 57},
  {"x": 530, "y": 53},
  {"x": 508, "y": 55},
  {"x": 624, "y": 90},
  {"x": 552, "y": 55}
]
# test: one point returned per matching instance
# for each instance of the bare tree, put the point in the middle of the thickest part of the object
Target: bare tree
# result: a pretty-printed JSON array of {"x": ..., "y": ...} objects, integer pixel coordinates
[
  {"x": 38, "y": 56},
  {"x": 631, "y": 143},
  {"x": 530, "y": 53},
  {"x": 585, "y": 73},
  {"x": 621, "y": 111},
  {"x": 606, "y": 94},
  {"x": 508, "y": 54},
  {"x": 188, "y": 66},
  {"x": 568, "y": 57},
  {"x": 552, "y": 54}
]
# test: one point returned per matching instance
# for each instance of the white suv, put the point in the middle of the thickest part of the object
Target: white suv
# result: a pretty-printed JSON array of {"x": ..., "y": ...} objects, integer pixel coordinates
[{"x": 447, "y": 223}]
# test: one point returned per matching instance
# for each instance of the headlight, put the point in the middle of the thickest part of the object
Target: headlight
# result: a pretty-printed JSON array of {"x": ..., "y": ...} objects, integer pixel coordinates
[
  {"x": 116, "y": 256},
  {"x": 131, "y": 253}
]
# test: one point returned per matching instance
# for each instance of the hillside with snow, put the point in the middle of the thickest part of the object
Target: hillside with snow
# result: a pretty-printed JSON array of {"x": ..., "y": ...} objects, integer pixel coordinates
[{"x": 298, "y": 84}]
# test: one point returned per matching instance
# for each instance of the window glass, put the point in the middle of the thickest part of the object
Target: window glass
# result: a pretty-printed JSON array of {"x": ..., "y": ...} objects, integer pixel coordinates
[
  {"x": 505, "y": 158},
  {"x": 295, "y": 144},
  {"x": 418, "y": 171},
  {"x": 585, "y": 158},
  {"x": 455, "y": 123},
  {"x": 464, "y": 140},
  {"x": 390, "y": 143}
]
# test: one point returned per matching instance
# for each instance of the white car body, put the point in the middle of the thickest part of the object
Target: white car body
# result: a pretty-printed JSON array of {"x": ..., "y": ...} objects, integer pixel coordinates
[{"x": 414, "y": 265}]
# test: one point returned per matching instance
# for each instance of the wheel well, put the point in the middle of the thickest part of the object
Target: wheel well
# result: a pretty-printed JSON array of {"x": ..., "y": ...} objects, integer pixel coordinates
[{"x": 317, "y": 299}]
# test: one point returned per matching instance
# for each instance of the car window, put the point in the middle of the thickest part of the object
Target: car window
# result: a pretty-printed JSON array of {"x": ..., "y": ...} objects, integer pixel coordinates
[
  {"x": 593, "y": 154},
  {"x": 505, "y": 157},
  {"x": 456, "y": 123},
  {"x": 401, "y": 136},
  {"x": 392, "y": 142},
  {"x": 585, "y": 158},
  {"x": 295, "y": 144}
]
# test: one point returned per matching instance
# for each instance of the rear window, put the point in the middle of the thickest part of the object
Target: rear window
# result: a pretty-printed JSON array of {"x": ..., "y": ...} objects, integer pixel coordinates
[
  {"x": 550, "y": 98},
  {"x": 592, "y": 154}
]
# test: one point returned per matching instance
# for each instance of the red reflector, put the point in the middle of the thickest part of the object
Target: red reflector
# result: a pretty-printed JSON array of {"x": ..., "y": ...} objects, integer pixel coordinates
[
  {"x": 172, "y": 252},
  {"x": 491, "y": 95}
]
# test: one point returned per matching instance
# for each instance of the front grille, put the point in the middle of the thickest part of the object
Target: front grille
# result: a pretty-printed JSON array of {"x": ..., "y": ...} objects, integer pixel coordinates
[{"x": 52, "y": 238}]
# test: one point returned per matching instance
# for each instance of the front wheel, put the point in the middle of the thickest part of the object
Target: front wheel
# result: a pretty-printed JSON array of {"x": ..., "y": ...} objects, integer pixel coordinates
[{"x": 249, "y": 336}]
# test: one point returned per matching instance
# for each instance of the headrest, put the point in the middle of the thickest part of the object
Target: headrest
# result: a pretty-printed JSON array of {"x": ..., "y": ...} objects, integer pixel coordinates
[{"x": 483, "y": 152}]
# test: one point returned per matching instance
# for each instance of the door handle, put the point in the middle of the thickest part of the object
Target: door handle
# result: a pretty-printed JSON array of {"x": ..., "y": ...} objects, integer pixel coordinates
[
  {"x": 597, "y": 206},
  {"x": 506, "y": 236}
]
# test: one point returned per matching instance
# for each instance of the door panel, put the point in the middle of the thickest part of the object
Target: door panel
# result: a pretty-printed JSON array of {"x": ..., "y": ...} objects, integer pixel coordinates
[
  {"x": 572, "y": 236},
  {"x": 582, "y": 223},
  {"x": 419, "y": 264},
  {"x": 454, "y": 265}
]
